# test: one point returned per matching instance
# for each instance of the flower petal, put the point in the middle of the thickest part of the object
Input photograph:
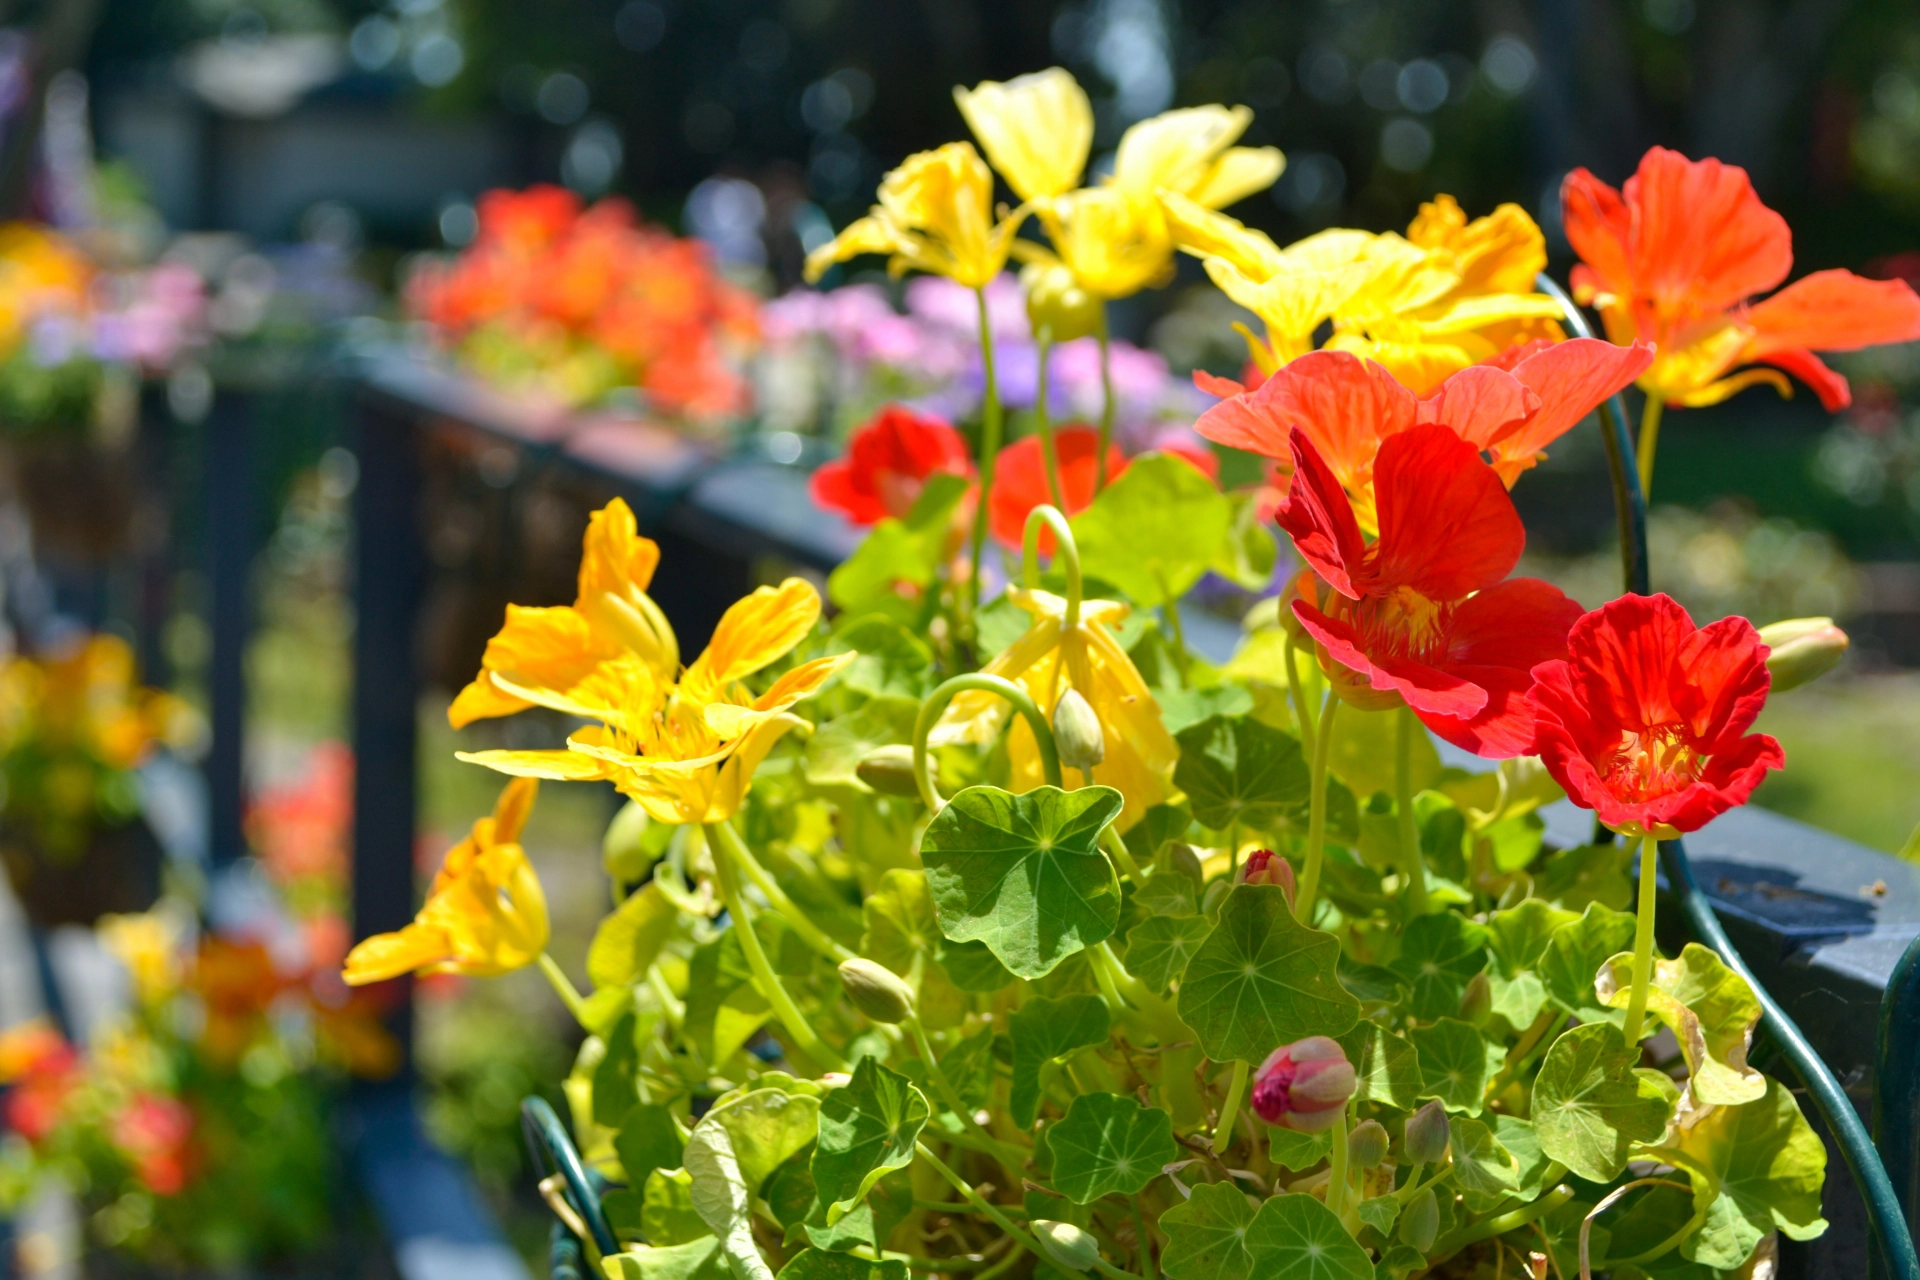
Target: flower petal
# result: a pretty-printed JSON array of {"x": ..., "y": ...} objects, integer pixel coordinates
[
  {"x": 1833, "y": 311},
  {"x": 1481, "y": 404},
  {"x": 1036, "y": 129},
  {"x": 1447, "y": 526},
  {"x": 1422, "y": 687},
  {"x": 560, "y": 766},
  {"x": 754, "y": 631},
  {"x": 1572, "y": 379},
  {"x": 614, "y": 557},
  {"x": 1319, "y": 517}
]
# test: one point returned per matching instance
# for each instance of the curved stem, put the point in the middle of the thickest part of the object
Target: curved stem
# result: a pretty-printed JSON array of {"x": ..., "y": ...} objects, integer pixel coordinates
[
  {"x": 1106, "y": 402},
  {"x": 732, "y": 846},
  {"x": 1649, "y": 441},
  {"x": 937, "y": 702},
  {"x": 1065, "y": 550},
  {"x": 1416, "y": 866},
  {"x": 1296, "y": 688},
  {"x": 1048, "y": 454},
  {"x": 989, "y": 448},
  {"x": 1642, "y": 943},
  {"x": 1317, "y": 811},
  {"x": 563, "y": 986},
  {"x": 1009, "y": 1159},
  {"x": 1230, "y": 1108},
  {"x": 1607, "y": 1202},
  {"x": 804, "y": 1037},
  {"x": 1487, "y": 1228},
  {"x": 1001, "y": 1220},
  {"x": 1117, "y": 847}
]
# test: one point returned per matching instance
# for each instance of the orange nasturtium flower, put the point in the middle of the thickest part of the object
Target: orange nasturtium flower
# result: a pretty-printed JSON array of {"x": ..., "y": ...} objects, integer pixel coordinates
[
  {"x": 1674, "y": 256},
  {"x": 684, "y": 751},
  {"x": 935, "y": 215},
  {"x": 556, "y": 648},
  {"x": 1449, "y": 294},
  {"x": 1047, "y": 661},
  {"x": 485, "y": 913}
]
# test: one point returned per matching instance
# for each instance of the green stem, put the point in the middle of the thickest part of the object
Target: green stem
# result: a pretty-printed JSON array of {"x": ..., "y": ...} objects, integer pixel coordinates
[
  {"x": 804, "y": 1037},
  {"x": 732, "y": 846},
  {"x": 1010, "y": 1159},
  {"x": 1297, "y": 690},
  {"x": 1487, "y": 1228},
  {"x": 1106, "y": 402},
  {"x": 1549, "y": 1018},
  {"x": 563, "y": 985},
  {"x": 1117, "y": 846},
  {"x": 1048, "y": 454},
  {"x": 937, "y": 701},
  {"x": 1649, "y": 441},
  {"x": 1642, "y": 943},
  {"x": 1001, "y": 1220},
  {"x": 1337, "y": 1168},
  {"x": 1230, "y": 1109},
  {"x": 989, "y": 449},
  {"x": 1065, "y": 550},
  {"x": 1143, "y": 1240},
  {"x": 1416, "y": 866},
  {"x": 1181, "y": 658},
  {"x": 1317, "y": 810},
  {"x": 670, "y": 1006}
]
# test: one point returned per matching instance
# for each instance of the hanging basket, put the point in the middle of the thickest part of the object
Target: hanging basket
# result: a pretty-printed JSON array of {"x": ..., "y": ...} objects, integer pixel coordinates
[{"x": 117, "y": 872}]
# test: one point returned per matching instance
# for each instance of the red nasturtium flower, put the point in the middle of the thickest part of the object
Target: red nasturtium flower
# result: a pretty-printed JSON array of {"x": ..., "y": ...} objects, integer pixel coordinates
[
  {"x": 1426, "y": 614},
  {"x": 1674, "y": 257},
  {"x": 43, "y": 1070},
  {"x": 1512, "y": 408},
  {"x": 1020, "y": 480},
  {"x": 1264, "y": 866},
  {"x": 887, "y": 463},
  {"x": 1645, "y": 721},
  {"x": 155, "y": 1134},
  {"x": 1304, "y": 1086}
]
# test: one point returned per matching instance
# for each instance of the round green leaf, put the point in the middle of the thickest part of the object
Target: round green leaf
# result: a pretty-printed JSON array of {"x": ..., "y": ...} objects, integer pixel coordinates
[
  {"x": 1439, "y": 954},
  {"x": 1024, "y": 874},
  {"x": 1236, "y": 769},
  {"x": 1043, "y": 1029},
  {"x": 1385, "y": 1065},
  {"x": 1160, "y": 947},
  {"x": 1769, "y": 1166},
  {"x": 816, "y": 1264},
  {"x": 1453, "y": 1064},
  {"x": 867, "y": 1127},
  {"x": 1262, "y": 979},
  {"x": 1591, "y": 1105},
  {"x": 1108, "y": 1143},
  {"x": 1574, "y": 954},
  {"x": 1711, "y": 1011},
  {"x": 1207, "y": 1235},
  {"x": 1296, "y": 1237},
  {"x": 1154, "y": 531}
]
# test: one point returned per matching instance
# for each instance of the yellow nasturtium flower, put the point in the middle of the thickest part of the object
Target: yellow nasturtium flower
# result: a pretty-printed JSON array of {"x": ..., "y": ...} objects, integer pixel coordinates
[
  {"x": 935, "y": 215},
  {"x": 554, "y": 649},
  {"x": 684, "y": 751},
  {"x": 147, "y": 944},
  {"x": 1047, "y": 661},
  {"x": 1451, "y": 293},
  {"x": 485, "y": 913},
  {"x": 1036, "y": 129}
]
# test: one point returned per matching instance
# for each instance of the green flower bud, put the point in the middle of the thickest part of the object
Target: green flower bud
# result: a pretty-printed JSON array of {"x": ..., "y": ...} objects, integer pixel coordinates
[
  {"x": 1215, "y": 895},
  {"x": 1367, "y": 1144},
  {"x": 1426, "y": 1134},
  {"x": 888, "y": 770},
  {"x": 1055, "y": 301},
  {"x": 1066, "y": 1246},
  {"x": 623, "y": 849},
  {"x": 876, "y": 990},
  {"x": 1801, "y": 650},
  {"x": 1476, "y": 1003},
  {"x": 1077, "y": 732},
  {"x": 1420, "y": 1221}
]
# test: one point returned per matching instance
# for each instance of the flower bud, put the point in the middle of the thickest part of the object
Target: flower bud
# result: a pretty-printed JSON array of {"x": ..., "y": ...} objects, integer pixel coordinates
[
  {"x": 1066, "y": 1246},
  {"x": 1476, "y": 1003},
  {"x": 1304, "y": 1086},
  {"x": 1215, "y": 895},
  {"x": 1801, "y": 650},
  {"x": 1181, "y": 858},
  {"x": 1426, "y": 1134},
  {"x": 1077, "y": 733},
  {"x": 876, "y": 990},
  {"x": 1420, "y": 1221},
  {"x": 888, "y": 770},
  {"x": 1302, "y": 586},
  {"x": 1367, "y": 1144},
  {"x": 1057, "y": 302},
  {"x": 1264, "y": 866},
  {"x": 623, "y": 849}
]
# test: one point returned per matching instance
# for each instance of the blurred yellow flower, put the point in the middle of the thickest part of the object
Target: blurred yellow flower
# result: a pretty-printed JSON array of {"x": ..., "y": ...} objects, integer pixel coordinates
[
  {"x": 40, "y": 272},
  {"x": 1036, "y": 130},
  {"x": 684, "y": 751},
  {"x": 485, "y": 913},
  {"x": 148, "y": 945},
  {"x": 87, "y": 699},
  {"x": 1047, "y": 661},
  {"x": 935, "y": 215},
  {"x": 551, "y": 650}
]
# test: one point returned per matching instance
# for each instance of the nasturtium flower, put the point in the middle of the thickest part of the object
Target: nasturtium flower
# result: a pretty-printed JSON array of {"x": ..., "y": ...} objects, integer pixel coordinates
[
  {"x": 1450, "y": 294},
  {"x": 1264, "y": 866},
  {"x": 1645, "y": 720},
  {"x": 485, "y": 913},
  {"x": 1426, "y": 615},
  {"x": 1047, "y": 661},
  {"x": 1675, "y": 257},
  {"x": 1020, "y": 480},
  {"x": 550, "y": 650},
  {"x": 686, "y": 750},
  {"x": 887, "y": 462},
  {"x": 1348, "y": 407},
  {"x": 935, "y": 215},
  {"x": 1036, "y": 130},
  {"x": 1304, "y": 1086}
]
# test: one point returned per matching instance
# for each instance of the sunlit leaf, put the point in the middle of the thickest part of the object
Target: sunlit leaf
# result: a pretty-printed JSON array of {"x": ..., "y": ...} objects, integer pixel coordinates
[
  {"x": 1044, "y": 1029},
  {"x": 1298, "y": 1151},
  {"x": 1518, "y": 936},
  {"x": 1160, "y": 947},
  {"x": 1262, "y": 979},
  {"x": 903, "y": 933},
  {"x": 1362, "y": 753},
  {"x": 1207, "y": 1235},
  {"x": 1711, "y": 1011},
  {"x": 1576, "y": 878},
  {"x": 907, "y": 550},
  {"x": 867, "y": 1127},
  {"x": 731, "y": 1152},
  {"x": 1769, "y": 1166},
  {"x": 1482, "y": 1167},
  {"x": 1155, "y": 530},
  {"x": 1591, "y": 1104},
  {"x": 1453, "y": 1064},
  {"x": 1386, "y": 1067},
  {"x": 1024, "y": 874},
  {"x": 842, "y": 743},
  {"x": 817, "y": 1264},
  {"x": 1439, "y": 954},
  {"x": 1236, "y": 769},
  {"x": 628, "y": 941},
  {"x": 647, "y": 1141},
  {"x": 724, "y": 1008},
  {"x": 893, "y": 663},
  {"x": 700, "y": 1259},
  {"x": 667, "y": 1215},
  {"x": 1574, "y": 955},
  {"x": 1106, "y": 1144}
]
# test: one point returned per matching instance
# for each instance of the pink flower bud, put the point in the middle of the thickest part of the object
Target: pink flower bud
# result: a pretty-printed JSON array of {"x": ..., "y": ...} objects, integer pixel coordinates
[
  {"x": 1264, "y": 866},
  {"x": 1304, "y": 1086}
]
